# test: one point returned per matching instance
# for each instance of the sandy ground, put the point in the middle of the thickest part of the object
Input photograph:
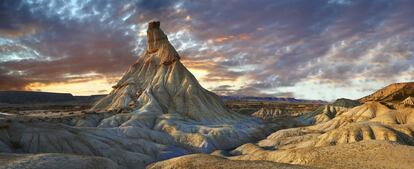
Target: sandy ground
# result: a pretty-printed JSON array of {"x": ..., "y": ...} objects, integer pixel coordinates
[
  {"x": 370, "y": 154},
  {"x": 203, "y": 161},
  {"x": 367, "y": 154},
  {"x": 54, "y": 161}
]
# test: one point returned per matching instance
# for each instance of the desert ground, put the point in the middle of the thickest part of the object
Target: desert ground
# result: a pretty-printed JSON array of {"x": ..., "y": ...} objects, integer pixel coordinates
[{"x": 159, "y": 116}]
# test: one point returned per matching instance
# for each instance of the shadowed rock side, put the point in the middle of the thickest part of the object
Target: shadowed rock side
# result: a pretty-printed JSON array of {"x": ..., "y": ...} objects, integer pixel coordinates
[{"x": 165, "y": 113}]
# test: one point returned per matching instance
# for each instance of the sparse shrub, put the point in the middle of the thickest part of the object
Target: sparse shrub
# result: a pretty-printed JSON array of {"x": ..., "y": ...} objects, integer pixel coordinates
[
  {"x": 15, "y": 144},
  {"x": 4, "y": 126}
]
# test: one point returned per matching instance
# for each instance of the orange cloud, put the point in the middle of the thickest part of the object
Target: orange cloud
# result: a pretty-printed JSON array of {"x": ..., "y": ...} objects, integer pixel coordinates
[
  {"x": 98, "y": 86},
  {"x": 231, "y": 38},
  {"x": 21, "y": 31},
  {"x": 223, "y": 39}
]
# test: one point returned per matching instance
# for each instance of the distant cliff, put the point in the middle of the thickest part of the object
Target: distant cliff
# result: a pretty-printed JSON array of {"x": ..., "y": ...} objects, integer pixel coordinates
[{"x": 269, "y": 99}]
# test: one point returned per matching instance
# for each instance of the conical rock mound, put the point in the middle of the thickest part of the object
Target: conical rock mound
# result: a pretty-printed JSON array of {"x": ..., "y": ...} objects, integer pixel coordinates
[{"x": 159, "y": 80}]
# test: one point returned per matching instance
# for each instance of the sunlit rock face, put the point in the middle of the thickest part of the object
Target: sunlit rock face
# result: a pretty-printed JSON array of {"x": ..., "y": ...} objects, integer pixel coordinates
[
  {"x": 165, "y": 113},
  {"x": 396, "y": 92}
]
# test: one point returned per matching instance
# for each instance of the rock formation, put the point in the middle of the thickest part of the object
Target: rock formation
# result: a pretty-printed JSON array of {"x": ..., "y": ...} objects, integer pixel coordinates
[
  {"x": 156, "y": 111},
  {"x": 160, "y": 84},
  {"x": 269, "y": 114},
  {"x": 327, "y": 112},
  {"x": 162, "y": 94}
]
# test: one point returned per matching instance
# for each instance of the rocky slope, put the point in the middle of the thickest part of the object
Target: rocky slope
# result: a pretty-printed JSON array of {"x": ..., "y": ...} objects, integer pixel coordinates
[{"x": 156, "y": 111}]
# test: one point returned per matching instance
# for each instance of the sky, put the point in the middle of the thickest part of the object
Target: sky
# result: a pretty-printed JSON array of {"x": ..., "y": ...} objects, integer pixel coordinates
[{"x": 310, "y": 49}]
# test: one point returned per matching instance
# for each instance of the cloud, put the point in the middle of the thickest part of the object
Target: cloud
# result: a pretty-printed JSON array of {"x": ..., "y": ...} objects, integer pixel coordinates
[{"x": 244, "y": 47}]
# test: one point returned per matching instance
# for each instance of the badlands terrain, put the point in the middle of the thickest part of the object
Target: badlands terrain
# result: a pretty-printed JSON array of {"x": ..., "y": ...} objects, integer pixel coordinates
[{"x": 159, "y": 116}]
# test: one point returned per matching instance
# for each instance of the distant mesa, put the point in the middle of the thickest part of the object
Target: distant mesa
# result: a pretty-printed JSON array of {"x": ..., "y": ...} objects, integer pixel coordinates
[
  {"x": 33, "y": 97},
  {"x": 270, "y": 99},
  {"x": 27, "y": 97}
]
